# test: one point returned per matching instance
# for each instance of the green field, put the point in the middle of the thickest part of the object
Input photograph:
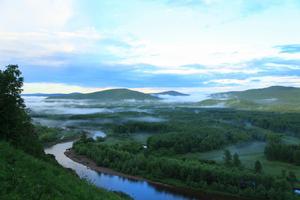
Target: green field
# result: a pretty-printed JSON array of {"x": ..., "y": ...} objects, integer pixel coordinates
[{"x": 249, "y": 153}]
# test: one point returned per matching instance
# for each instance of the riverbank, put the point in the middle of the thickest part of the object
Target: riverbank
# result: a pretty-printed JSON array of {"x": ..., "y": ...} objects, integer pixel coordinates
[{"x": 190, "y": 193}]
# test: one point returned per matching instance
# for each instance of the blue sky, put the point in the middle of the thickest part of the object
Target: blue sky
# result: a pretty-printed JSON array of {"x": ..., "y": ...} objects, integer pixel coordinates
[{"x": 151, "y": 45}]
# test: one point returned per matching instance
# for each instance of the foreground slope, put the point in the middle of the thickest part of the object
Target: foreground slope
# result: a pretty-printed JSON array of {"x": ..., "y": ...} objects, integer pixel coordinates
[
  {"x": 109, "y": 95},
  {"x": 23, "y": 176}
]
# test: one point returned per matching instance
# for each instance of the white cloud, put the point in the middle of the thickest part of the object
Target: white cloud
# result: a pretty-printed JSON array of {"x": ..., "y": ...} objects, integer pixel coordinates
[
  {"x": 29, "y": 15},
  {"x": 56, "y": 88},
  {"x": 257, "y": 82}
]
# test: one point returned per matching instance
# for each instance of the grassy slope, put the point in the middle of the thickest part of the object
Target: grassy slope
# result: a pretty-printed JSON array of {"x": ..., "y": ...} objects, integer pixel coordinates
[
  {"x": 276, "y": 98},
  {"x": 25, "y": 177},
  {"x": 110, "y": 95},
  {"x": 283, "y": 94}
]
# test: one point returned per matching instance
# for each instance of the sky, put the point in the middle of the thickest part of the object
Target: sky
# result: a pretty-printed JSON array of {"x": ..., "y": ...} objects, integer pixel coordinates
[{"x": 151, "y": 45}]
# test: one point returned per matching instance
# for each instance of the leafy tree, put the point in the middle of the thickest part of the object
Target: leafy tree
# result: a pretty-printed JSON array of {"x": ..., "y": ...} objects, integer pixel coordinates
[
  {"x": 236, "y": 160},
  {"x": 227, "y": 157},
  {"x": 15, "y": 124},
  {"x": 258, "y": 167}
]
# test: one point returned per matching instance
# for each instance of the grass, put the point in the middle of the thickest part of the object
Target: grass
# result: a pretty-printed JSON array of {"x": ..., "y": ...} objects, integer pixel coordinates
[
  {"x": 25, "y": 177},
  {"x": 249, "y": 153}
]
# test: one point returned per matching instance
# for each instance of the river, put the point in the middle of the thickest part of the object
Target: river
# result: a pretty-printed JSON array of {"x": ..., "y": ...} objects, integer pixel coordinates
[{"x": 139, "y": 190}]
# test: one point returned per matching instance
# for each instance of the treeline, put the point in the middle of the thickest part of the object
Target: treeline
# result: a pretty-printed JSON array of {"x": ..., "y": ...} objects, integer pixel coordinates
[
  {"x": 288, "y": 123},
  {"x": 134, "y": 127},
  {"x": 276, "y": 150},
  {"x": 194, "y": 174},
  {"x": 49, "y": 135},
  {"x": 201, "y": 138}
]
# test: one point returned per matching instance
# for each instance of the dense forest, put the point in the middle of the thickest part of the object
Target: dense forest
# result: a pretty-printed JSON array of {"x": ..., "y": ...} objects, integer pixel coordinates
[
  {"x": 133, "y": 159},
  {"x": 25, "y": 171},
  {"x": 276, "y": 150}
]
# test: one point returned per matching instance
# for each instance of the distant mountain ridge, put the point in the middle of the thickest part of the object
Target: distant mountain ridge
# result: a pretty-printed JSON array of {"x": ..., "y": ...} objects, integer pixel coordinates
[
  {"x": 170, "y": 93},
  {"x": 274, "y": 98},
  {"x": 109, "y": 95},
  {"x": 278, "y": 93}
]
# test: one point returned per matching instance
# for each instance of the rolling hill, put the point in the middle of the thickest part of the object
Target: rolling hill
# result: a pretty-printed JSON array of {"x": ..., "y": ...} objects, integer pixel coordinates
[
  {"x": 170, "y": 93},
  {"x": 109, "y": 95},
  {"x": 275, "y": 98},
  {"x": 275, "y": 93}
]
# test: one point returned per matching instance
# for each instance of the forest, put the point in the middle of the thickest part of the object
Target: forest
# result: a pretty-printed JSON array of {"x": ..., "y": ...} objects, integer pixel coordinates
[
  {"x": 133, "y": 159},
  {"x": 276, "y": 150}
]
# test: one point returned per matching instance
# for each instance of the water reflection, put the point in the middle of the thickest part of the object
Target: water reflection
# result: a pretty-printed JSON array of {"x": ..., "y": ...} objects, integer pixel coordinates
[{"x": 139, "y": 190}]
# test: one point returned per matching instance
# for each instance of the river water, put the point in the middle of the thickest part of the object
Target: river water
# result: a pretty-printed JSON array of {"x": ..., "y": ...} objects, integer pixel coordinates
[{"x": 139, "y": 190}]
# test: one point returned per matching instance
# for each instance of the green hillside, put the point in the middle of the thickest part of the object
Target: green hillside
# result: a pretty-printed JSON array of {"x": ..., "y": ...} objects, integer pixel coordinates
[
  {"x": 23, "y": 176},
  {"x": 109, "y": 95},
  {"x": 275, "y": 98},
  {"x": 278, "y": 94}
]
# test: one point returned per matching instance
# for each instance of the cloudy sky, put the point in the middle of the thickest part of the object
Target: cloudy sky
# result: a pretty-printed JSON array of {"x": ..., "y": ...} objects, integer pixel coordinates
[{"x": 188, "y": 45}]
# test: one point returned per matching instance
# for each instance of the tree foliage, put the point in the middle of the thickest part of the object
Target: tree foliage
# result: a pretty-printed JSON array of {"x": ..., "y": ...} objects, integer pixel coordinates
[
  {"x": 15, "y": 124},
  {"x": 195, "y": 174}
]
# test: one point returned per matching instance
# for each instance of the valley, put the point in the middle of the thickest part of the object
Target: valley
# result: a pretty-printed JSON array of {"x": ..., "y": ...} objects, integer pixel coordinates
[{"x": 177, "y": 132}]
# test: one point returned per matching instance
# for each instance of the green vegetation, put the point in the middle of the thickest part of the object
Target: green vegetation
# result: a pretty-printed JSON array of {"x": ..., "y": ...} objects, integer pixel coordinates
[
  {"x": 15, "y": 124},
  {"x": 49, "y": 136},
  {"x": 132, "y": 159},
  {"x": 276, "y": 150},
  {"x": 25, "y": 177},
  {"x": 190, "y": 135},
  {"x": 109, "y": 95},
  {"x": 25, "y": 171},
  {"x": 266, "y": 95},
  {"x": 208, "y": 149},
  {"x": 275, "y": 98}
]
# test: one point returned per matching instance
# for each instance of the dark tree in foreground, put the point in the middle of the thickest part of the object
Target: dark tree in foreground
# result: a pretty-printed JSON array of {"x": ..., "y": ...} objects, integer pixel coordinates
[
  {"x": 257, "y": 167},
  {"x": 15, "y": 124}
]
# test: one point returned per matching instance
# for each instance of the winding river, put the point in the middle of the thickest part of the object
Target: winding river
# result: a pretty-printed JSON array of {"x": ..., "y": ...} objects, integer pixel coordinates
[{"x": 139, "y": 190}]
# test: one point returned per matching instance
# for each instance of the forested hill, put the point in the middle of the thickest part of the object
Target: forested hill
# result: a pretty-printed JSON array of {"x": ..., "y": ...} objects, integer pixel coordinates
[
  {"x": 109, "y": 95},
  {"x": 275, "y": 98},
  {"x": 275, "y": 93}
]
